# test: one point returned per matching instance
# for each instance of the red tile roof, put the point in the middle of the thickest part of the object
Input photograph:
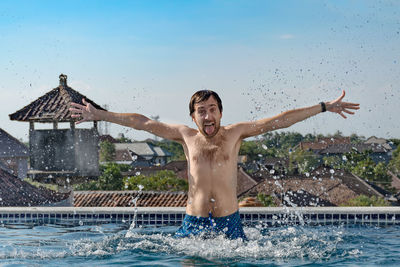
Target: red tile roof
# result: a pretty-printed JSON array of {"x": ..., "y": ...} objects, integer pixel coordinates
[
  {"x": 125, "y": 199},
  {"x": 322, "y": 143}
]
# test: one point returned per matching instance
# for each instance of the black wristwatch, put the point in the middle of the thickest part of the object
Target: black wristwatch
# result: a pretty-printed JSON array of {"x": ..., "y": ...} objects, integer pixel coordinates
[{"x": 323, "y": 106}]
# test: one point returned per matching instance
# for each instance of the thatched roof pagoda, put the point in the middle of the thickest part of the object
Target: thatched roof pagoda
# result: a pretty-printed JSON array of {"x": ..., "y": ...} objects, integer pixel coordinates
[
  {"x": 53, "y": 106},
  {"x": 60, "y": 156}
]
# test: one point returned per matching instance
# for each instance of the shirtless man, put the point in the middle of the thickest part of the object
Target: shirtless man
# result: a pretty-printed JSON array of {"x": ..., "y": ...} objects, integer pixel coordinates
[{"x": 211, "y": 152}]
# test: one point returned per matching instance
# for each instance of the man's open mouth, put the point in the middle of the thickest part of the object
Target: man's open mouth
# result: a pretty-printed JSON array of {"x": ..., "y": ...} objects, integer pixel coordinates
[{"x": 209, "y": 128}]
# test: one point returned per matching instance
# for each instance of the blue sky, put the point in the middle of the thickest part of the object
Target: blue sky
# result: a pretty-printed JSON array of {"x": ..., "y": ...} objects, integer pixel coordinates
[{"x": 262, "y": 57}]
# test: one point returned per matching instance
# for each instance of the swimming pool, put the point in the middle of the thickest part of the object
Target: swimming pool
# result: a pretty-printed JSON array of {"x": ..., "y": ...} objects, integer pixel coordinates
[{"x": 83, "y": 241}]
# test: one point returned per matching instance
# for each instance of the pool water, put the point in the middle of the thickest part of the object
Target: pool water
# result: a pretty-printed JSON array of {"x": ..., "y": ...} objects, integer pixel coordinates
[{"x": 109, "y": 244}]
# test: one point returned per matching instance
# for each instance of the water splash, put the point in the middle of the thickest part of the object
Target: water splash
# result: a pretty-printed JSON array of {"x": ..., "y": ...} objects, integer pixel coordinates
[{"x": 134, "y": 201}]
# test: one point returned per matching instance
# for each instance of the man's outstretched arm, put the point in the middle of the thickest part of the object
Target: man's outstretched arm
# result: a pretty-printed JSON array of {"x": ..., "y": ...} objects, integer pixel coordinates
[
  {"x": 87, "y": 112},
  {"x": 288, "y": 118}
]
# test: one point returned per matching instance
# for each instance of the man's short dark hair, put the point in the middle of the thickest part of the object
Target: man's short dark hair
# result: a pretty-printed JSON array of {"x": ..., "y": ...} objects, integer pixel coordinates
[{"x": 203, "y": 95}]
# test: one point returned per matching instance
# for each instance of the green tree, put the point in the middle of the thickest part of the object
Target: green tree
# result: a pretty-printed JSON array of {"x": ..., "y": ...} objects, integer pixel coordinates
[
  {"x": 351, "y": 159},
  {"x": 365, "y": 169},
  {"x": 164, "y": 180},
  {"x": 109, "y": 179},
  {"x": 255, "y": 150},
  {"x": 305, "y": 161},
  {"x": 395, "y": 141},
  {"x": 394, "y": 164},
  {"x": 107, "y": 151},
  {"x": 266, "y": 200},
  {"x": 334, "y": 162},
  {"x": 282, "y": 140},
  {"x": 356, "y": 139},
  {"x": 382, "y": 177},
  {"x": 364, "y": 201}
]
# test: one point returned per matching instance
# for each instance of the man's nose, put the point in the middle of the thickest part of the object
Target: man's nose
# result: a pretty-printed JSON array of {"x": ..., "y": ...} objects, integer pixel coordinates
[{"x": 207, "y": 115}]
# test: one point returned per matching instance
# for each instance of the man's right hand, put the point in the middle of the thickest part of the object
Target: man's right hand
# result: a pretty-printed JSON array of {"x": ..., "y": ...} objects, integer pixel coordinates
[{"x": 86, "y": 111}]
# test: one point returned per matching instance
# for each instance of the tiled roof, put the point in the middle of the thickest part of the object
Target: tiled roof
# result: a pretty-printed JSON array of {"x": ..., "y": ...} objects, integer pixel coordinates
[
  {"x": 53, "y": 106},
  {"x": 125, "y": 199},
  {"x": 5, "y": 167},
  {"x": 15, "y": 192},
  {"x": 395, "y": 181},
  {"x": 321, "y": 187},
  {"x": 143, "y": 149},
  {"x": 346, "y": 148},
  {"x": 122, "y": 155},
  {"x": 245, "y": 181},
  {"x": 11, "y": 147},
  {"x": 273, "y": 161},
  {"x": 381, "y": 141},
  {"x": 322, "y": 143}
]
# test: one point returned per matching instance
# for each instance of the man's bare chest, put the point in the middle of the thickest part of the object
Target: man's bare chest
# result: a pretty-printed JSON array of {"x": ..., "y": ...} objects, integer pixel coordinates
[{"x": 219, "y": 150}]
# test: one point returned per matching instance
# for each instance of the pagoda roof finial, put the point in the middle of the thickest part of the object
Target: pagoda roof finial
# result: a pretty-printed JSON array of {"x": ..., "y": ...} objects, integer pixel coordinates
[{"x": 63, "y": 80}]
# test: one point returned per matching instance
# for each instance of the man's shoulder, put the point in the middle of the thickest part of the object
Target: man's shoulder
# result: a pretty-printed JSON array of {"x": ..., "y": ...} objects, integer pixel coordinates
[{"x": 186, "y": 130}]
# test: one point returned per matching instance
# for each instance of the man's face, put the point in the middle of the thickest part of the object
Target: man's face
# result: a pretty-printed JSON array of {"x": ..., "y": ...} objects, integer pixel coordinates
[{"x": 207, "y": 117}]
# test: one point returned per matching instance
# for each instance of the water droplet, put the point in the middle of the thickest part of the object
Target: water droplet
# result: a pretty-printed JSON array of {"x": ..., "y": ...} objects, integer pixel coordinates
[{"x": 264, "y": 147}]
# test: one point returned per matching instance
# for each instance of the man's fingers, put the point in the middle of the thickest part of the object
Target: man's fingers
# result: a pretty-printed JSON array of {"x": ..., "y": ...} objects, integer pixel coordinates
[
  {"x": 348, "y": 111},
  {"x": 341, "y": 114},
  {"x": 76, "y": 110},
  {"x": 77, "y": 105},
  {"x": 348, "y": 104}
]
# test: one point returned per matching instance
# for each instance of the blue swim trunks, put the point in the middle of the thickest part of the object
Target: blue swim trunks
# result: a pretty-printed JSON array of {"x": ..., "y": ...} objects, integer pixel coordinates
[{"x": 230, "y": 226}]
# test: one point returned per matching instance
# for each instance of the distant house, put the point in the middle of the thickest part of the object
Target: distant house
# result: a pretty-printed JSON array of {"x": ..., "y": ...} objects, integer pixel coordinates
[
  {"x": 384, "y": 144},
  {"x": 140, "y": 154},
  {"x": 322, "y": 187},
  {"x": 380, "y": 141},
  {"x": 338, "y": 146},
  {"x": 378, "y": 152},
  {"x": 322, "y": 143},
  {"x": 14, "y": 155}
]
